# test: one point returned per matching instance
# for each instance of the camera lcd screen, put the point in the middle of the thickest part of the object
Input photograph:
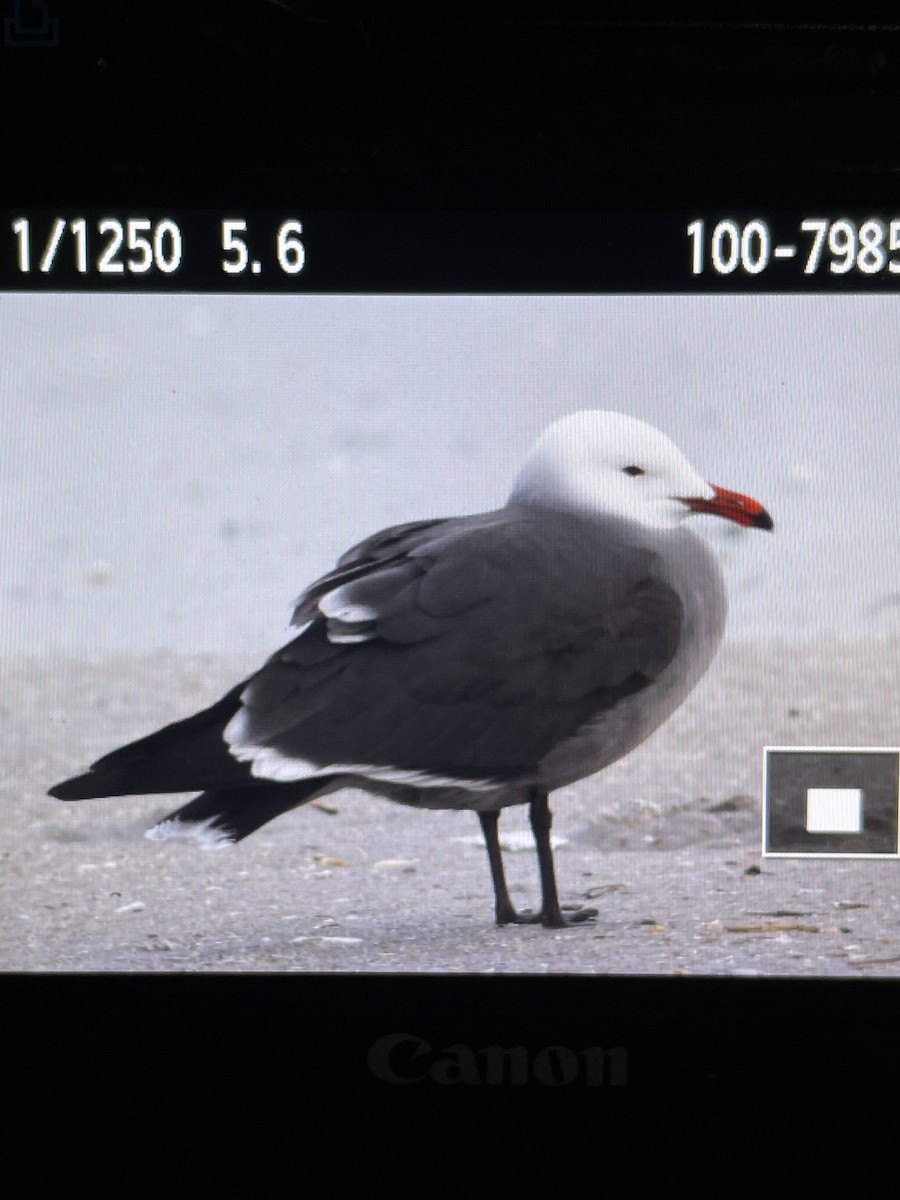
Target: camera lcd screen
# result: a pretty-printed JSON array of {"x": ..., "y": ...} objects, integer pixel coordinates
[{"x": 182, "y": 461}]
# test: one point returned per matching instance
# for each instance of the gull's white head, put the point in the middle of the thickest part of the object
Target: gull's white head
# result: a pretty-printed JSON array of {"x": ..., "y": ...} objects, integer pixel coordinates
[{"x": 609, "y": 463}]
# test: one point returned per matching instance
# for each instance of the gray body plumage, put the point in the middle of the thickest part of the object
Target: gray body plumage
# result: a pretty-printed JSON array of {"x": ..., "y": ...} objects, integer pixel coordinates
[{"x": 478, "y": 656}]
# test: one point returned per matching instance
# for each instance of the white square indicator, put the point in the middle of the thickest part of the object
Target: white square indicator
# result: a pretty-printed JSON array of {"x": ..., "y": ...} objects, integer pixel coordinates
[{"x": 834, "y": 810}]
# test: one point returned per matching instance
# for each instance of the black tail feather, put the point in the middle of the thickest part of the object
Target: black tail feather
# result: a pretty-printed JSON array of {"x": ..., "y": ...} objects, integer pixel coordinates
[
  {"x": 236, "y": 812},
  {"x": 181, "y": 757}
]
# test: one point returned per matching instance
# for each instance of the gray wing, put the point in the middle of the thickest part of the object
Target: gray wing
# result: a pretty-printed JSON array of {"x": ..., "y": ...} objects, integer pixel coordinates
[
  {"x": 378, "y": 551},
  {"x": 464, "y": 649}
]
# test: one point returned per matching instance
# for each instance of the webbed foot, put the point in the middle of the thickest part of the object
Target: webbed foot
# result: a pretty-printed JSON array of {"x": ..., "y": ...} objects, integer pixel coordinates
[{"x": 561, "y": 918}]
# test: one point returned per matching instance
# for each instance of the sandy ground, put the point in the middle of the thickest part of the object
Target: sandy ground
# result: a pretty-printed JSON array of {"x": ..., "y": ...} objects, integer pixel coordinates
[{"x": 665, "y": 844}]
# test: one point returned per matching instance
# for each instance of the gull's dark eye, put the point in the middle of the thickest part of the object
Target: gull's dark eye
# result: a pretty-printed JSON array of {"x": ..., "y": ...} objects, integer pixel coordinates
[{"x": 634, "y": 470}]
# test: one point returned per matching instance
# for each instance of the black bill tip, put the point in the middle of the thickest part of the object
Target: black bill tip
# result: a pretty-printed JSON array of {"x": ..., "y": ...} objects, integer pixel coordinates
[{"x": 762, "y": 520}]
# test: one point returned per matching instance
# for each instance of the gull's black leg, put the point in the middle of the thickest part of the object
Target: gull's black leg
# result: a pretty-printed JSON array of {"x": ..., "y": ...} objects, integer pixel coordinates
[
  {"x": 541, "y": 820},
  {"x": 504, "y": 912},
  {"x": 550, "y": 916}
]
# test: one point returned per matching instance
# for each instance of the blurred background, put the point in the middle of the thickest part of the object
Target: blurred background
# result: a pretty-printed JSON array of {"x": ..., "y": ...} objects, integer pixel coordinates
[{"x": 174, "y": 470}]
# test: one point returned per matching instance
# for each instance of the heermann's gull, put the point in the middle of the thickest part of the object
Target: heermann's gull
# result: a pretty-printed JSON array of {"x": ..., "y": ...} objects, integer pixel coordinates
[{"x": 475, "y": 662}]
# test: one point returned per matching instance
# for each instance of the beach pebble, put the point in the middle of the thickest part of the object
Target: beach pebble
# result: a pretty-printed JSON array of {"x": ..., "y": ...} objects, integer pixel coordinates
[{"x": 332, "y": 941}]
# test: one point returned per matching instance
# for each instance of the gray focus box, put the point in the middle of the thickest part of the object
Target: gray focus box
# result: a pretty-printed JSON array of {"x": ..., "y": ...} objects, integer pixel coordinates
[{"x": 831, "y": 802}]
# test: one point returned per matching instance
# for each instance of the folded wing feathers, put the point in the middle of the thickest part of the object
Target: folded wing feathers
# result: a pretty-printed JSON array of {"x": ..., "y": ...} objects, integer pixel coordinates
[
  {"x": 470, "y": 699},
  {"x": 377, "y": 551}
]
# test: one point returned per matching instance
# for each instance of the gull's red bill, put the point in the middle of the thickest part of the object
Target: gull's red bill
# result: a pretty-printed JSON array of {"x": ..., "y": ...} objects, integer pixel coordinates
[{"x": 734, "y": 506}]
